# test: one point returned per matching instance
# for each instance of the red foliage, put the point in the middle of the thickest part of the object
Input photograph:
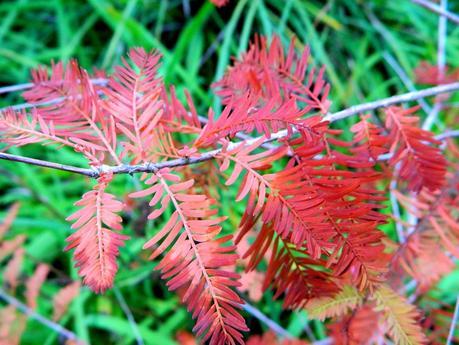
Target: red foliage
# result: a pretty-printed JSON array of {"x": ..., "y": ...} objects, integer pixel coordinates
[
  {"x": 196, "y": 257},
  {"x": 63, "y": 298},
  {"x": 421, "y": 163},
  {"x": 313, "y": 201},
  {"x": 431, "y": 75},
  {"x": 269, "y": 338},
  {"x": 362, "y": 327},
  {"x": 220, "y": 3},
  {"x": 34, "y": 284},
  {"x": 267, "y": 73},
  {"x": 96, "y": 244}
]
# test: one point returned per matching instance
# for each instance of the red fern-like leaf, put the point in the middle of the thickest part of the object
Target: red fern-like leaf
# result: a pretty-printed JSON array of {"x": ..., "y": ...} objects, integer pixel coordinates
[
  {"x": 9, "y": 219},
  {"x": 295, "y": 275},
  {"x": 196, "y": 257},
  {"x": 362, "y": 327},
  {"x": 96, "y": 244},
  {"x": 285, "y": 211},
  {"x": 431, "y": 75},
  {"x": 69, "y": 102},
  {"x": 270, "y": 338},
  {"x": 133, "y": 98},
  {"x": 266, "y": 72},
  {"x": 8, "y": 247},
  {"x": 12, "y": 325},
  {"x": 421, "y": 162},
  {"x": 13, "y": 268},
  {"x": 219, "y": 3},
  {"x": 435, "y": 235},
  {"x": 245, "y": 116},
  {"x": 400, "y": 317},
  {"x": 63, "y": 298},
  {"x": 12, "y": 246},
  {"x": 34, "y": 283},
  {"x": 345, "y": 210},
  {"x": 18, "y": 129},
  {"x": 369, "y": 141}
]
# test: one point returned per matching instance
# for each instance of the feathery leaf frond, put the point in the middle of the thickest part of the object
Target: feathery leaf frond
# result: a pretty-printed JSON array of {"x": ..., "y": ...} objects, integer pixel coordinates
[
  {"x": 421, "y": 162},
  {"x": 347, "y": 299},
  {"x": 63, "y": 298},
  {"x": 369, "y": 140},
  {"x": 266, "y": 72},
  {"x": 34, "y": 283},
  {"x": 400, "y": 316},
  {"x": 96, "y": 243},
  {"x": 9, "y": 219},
  {"x": 246, "y": 116},
  {"x": 196, "y": 257},
  {"x": 133, "y": 98}
]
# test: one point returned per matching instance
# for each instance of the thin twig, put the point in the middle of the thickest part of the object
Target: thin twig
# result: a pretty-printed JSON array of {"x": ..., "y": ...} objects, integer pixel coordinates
[
  {"x": 447, "y": 134},
  {"x": 32, "y": 314},
  {"x": 130, "y": 317},
  {"x": 46, "y": 164},
  {"x": 275, "y": 327},
  {"x": 441, "y": 44},
  {"x": 405, "y": 79},
  {"x": 17, "y": 87},
  {"x": 25, "y": 86},
  {"x": 386, "y": 35},
  {"x": 437, "y": 9},
  {"x": 393, "y": 183},
  {"x": 396, "y": 209},
  {"x": 441, "y": 64},
  {"x": 407, "y": 97},
  {"x": 453, "y": 323},
  {"x": 152, "y": 167}
]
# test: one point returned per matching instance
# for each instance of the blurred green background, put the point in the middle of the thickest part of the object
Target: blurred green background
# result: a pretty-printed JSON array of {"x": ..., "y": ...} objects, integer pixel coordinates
[{"x": 368, "y": 48}]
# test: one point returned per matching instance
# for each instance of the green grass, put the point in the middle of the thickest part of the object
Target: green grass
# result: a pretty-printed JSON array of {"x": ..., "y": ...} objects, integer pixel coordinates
[{"x": 343, "y": 36}]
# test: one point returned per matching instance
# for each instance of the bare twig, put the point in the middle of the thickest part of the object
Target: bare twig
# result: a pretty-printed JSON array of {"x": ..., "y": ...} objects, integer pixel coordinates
[
  {"x": 396, "y": 209},
  {"x": 278, "y": 329},
  {"x": 405, "y": 79},
  {"x": 44, "y": 321},
  {"x": 25, "y": 86},
  {"x": 386, "y": 35},
  {"x": 407, "y": 97},
  {"x": 441, "y": 51},
  {"x": 453, "y": 323},
  {"x": 441, "y": 64},
  {"x": 46, "y": 164},
  {"x": 17, "y": 87},
  {"x": 152, "y": 167},
  {"x": 447, "y": 134},
  {"x": 437, "y": 9},
  {"x": 275, "y": 327},
  {"x": 130, "y": 317},
  {"x": 393, "y": 183}
]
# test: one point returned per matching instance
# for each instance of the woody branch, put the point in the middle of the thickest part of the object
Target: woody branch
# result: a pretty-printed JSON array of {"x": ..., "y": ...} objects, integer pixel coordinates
[{"x": 155, "y": 166}]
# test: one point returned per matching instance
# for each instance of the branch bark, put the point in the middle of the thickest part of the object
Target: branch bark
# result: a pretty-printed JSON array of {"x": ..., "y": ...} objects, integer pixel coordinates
[
  {"x": 152, "y": 167},
  {"x": 25, "y": 86},
  {"x": 449, "y": 341},
  {"x": 44, "y": 321},
  {"x": 437, "y": 9},
  {"x": 406, "y": 97}
]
